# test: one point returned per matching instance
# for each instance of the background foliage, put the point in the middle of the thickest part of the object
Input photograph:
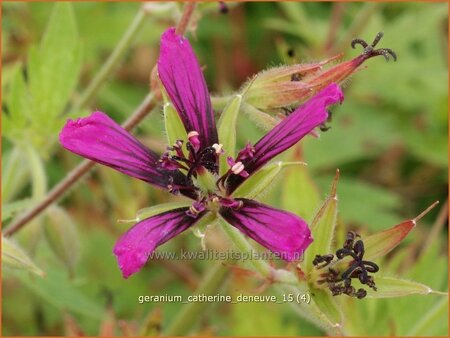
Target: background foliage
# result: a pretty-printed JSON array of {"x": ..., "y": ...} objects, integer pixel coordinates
[{"x": 389, "y": 141}]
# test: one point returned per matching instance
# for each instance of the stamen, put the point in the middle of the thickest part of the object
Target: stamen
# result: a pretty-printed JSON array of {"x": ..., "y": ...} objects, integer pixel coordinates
[
  {"x": 231, "y": 203},
  {"x": 194, "y": 140},
  {"x": 237, "y": 168},
  {"x": 195, "y": 209},
  {"x": 247, "y": 152},
  {"x": 218, "y": 148}
]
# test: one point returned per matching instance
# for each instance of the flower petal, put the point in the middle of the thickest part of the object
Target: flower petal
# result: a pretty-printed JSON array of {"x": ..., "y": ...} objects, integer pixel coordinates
[
  {"x": 289, "y": 131},
  {"x": 183, "y": 80},
  {"x": 100, "y": 139},
  {"x": 135, "y": 246},
  {"x": 279, "y": 231}
]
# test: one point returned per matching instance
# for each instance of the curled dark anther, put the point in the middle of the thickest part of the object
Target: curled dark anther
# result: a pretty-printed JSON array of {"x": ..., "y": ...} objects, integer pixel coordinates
[
  {"x": 370, "y": 51},
  {"x": 325, "y": 259},
  {"x": 351, "y": 235},
  {"x": 341, "y": 282}
]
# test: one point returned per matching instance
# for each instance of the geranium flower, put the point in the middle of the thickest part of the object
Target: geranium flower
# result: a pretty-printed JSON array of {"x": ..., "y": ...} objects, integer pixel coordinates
[{"x": 193, "y": 172}]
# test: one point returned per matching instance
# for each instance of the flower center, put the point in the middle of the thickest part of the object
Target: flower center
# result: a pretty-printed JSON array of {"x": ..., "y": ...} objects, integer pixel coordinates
[{"x": 201, "y": 167}]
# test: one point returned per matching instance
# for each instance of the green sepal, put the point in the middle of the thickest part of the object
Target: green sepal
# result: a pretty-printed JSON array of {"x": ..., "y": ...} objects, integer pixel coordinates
[{"x": 226, "y": 129}]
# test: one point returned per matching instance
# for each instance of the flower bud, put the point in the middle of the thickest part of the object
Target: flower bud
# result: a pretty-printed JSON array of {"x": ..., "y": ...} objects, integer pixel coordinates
[
  {"x": 283, "y": 86},
  {"x": 289, "y": 86}
]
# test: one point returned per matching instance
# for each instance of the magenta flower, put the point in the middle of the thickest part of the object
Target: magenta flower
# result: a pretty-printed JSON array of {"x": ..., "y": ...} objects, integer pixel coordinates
[{"x": 99, "y": 138}]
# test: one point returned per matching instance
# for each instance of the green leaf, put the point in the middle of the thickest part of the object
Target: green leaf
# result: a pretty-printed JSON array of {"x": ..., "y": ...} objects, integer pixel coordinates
[
  {"x": 62, "y": 236},
  {"x": 322, "y": 228},
  {"x": 430, "y": 319},
  {"x": 15, "y": 257},
  {"x": 53, "y": 70},
  {"x": 14, "y": 173},
  {"x": 174, "y": 127},
  {"x": 226, "y": 128},
  {"x": 38, "y": 174},
  {"x": 327, "y": 304},
  {"x": 388, "y": 287},
  {"x": 56, "y": 289},
  {"x": 18, "y": 102},
  {"x": 9, "y": 209},
  {"x": 257, "y": 183}
]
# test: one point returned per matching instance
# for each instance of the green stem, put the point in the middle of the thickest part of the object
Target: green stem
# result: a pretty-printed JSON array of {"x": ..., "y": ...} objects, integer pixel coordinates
[
  {"x": 189, "y": 314},
  {"x": 113, "y": 60}
]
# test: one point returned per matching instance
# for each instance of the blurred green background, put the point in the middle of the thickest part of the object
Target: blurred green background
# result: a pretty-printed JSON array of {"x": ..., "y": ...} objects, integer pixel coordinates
[{"x": 389, "y": 140}]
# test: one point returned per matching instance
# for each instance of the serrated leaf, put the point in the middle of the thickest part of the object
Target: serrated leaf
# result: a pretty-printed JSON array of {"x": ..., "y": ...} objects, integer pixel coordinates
[
  {"x": 388, "y": 287},
  {"x": 325, "y": 302},
  {"x": 53, "y": 70},
  {"x": 62, "y": 236},
  {"x": 322, "y": 228},
  {"x": 9, "y": 209},
  {"x": 174, "y": 127},
  {"x": 15, "y": 257},
  {"x": 257, "y": 183},
  {"x": 226, "y": 128}
]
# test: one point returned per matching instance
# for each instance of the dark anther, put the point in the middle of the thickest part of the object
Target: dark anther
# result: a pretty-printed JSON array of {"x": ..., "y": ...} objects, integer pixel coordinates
[
  {"x": 341, "y": 253},
  {"x": 341, "y": 283},
  {"x": 358, "y": 248},
  {"x": 325, "y": 259},
  {"x": 351, "y": 235},
  {"x": 370, "y": 266},
  {"x": 361, "y": 293},
  {"x": 370, "y": 51}
]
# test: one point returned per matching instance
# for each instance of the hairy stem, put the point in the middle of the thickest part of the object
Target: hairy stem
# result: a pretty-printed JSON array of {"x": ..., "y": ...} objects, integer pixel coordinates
[
  {"x": 190, "y": 313},
  {"x": 185, "y": 18}
]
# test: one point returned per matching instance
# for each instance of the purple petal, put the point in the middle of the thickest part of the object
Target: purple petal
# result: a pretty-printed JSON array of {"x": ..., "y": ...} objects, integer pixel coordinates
[
  {"x": 183, "y": 80},
  {"x": 135, "y": 246},
  {"x": 289, "y": 131},
  {"x": 279, "y": 231},
  {"x": 100, "y": 139}
]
